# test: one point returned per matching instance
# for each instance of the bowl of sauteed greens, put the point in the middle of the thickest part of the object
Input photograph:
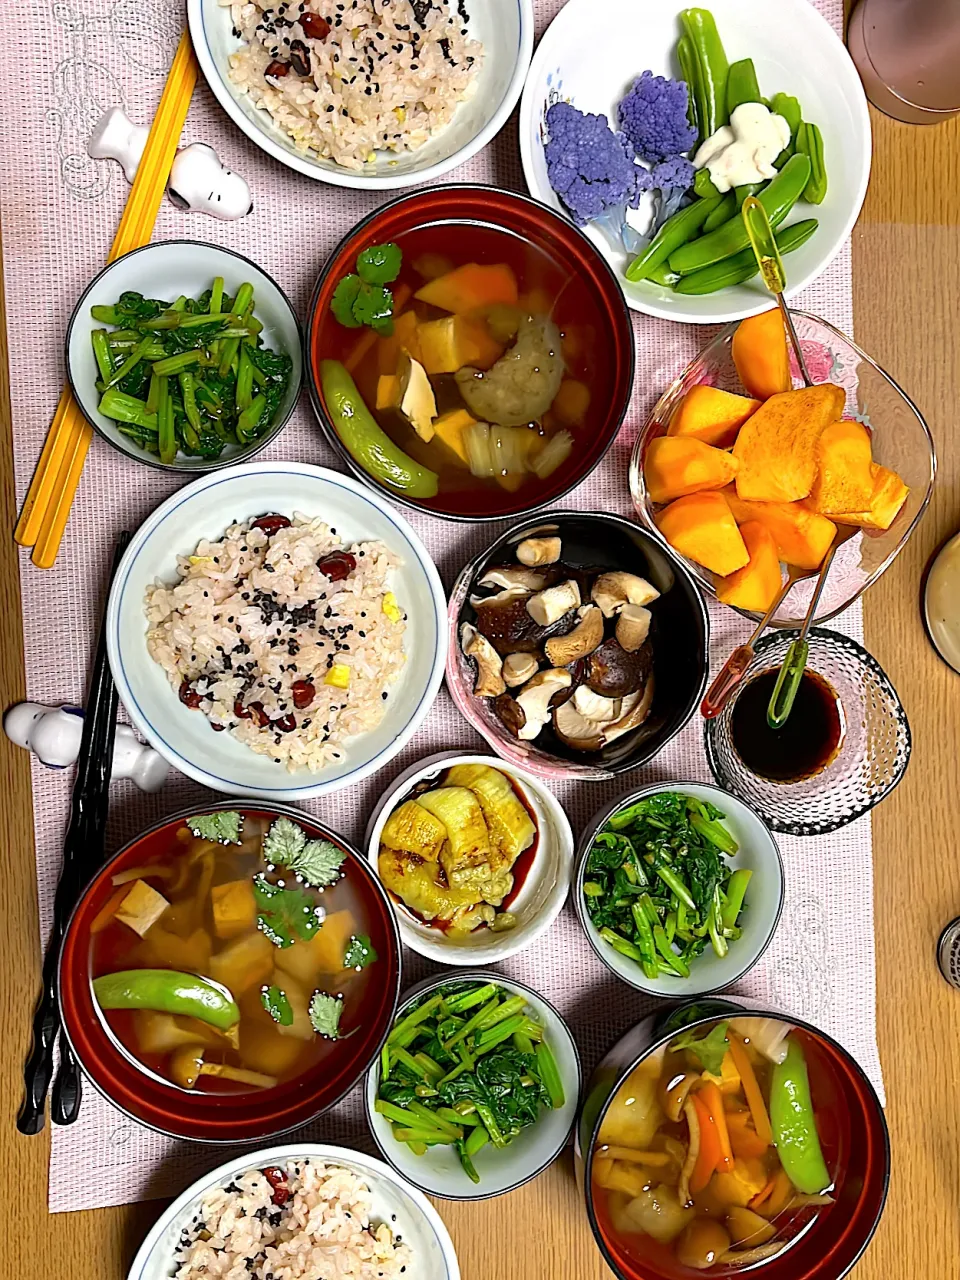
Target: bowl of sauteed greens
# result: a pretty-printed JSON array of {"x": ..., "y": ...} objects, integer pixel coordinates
[
  {"x": 476, "y": 1088},
  {"x": 679, "y": 888},
  {"x": 185, "y": 356}
]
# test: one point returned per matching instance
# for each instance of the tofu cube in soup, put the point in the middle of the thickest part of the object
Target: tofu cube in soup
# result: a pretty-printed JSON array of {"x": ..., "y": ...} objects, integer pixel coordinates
[
  {"x": 142, "y": 907},
  {"x": 234, "y": 908}
]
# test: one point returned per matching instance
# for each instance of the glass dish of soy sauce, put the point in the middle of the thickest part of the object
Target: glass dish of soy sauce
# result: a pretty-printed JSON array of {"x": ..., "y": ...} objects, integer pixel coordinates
[{"x": 845, "y": 746}]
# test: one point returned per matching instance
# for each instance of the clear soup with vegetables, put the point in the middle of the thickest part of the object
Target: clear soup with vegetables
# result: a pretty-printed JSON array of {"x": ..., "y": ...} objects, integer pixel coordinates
[
  {"x": 482, "y": 360},
  {"x": 720, "y": 1150},
  {"x": 238, "y": 959}
]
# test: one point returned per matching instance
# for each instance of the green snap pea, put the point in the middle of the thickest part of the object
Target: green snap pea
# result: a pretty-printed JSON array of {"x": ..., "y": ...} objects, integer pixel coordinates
[
  {"x": 742, "y": 266},
  {"x": 168, "y": 991},
  {"x": 712, "y": 69},
  {"x": 674, "y": 233},
  {"x": 748, "y": 189},
  {"x": 777, "y": 199},
  {"x": 703, "y": 185},
  {"x": 661, "y": 275},
  {"x": 810, "y": 144},
  {"x": 688, "y": 74},
  {"x": 784, "y": 105},
  {"x": 366, "y": 441},
  {"x": 742, "y": 85},
  {"x": 794, "y": 1123},
  {"x": 722, "y": 213}
]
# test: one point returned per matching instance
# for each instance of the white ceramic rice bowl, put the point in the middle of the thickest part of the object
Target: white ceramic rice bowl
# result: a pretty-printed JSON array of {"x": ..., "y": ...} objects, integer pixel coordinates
[
  {"x": 438, "y": 1171},
  {"x": 204, "y": 509},
  {"x": 416, "y": 1219},
  {"x": 795, "y": 51},
  {"x": 504, "y": 28},
  {"x": 542, "y": 894}
]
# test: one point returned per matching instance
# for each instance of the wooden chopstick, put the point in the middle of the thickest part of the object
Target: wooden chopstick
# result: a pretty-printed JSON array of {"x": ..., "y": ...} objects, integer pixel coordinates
[
  {"x": 82, "y": 856},
  {"x": 46, "y": 507}
]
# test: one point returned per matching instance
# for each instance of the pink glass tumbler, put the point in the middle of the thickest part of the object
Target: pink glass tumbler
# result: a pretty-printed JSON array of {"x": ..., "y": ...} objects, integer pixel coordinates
[{"x": 908, "y": 56}]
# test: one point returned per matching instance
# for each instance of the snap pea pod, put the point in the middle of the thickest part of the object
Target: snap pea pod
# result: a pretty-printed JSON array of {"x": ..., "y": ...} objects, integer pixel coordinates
[
  {"x": 748, "y": 189},
  {"x": 810, "y": 144},
  {"x": 722, "y": 213},
  {"x": 676, "y": 231},
  {"x": 742, "y": 85},
  {"x": 782, "y": 104},
  {"x": 709, "y": 88},
  {"x": 661, "y": 275},
  {"x": 365, "y": 440},
  {"x": 742, "y": 266},
  {"x": 688, "y": 73},
  {"x": 168, "y": 991},
  {"x": 703, "y": 185},
  {"x": 794, "y": 1123},
  {"x": 777, "y": 199}
]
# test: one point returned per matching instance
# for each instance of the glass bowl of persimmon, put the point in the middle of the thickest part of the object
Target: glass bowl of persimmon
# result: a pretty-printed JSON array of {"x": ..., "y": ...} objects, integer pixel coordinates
[{"x": 751, "y": 476}]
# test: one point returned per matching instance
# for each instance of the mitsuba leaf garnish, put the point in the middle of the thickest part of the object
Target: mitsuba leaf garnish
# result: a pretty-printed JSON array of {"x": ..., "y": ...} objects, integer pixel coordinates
[
  {"x": 284, "y": 915},
  {"x": 359, "y": 953},
  {"x": 709, "y": 1051},
  {"x": 316, "y": 862},
  {"x": 277, "y": 1005},
  {"x": 224, "y": 827},
  {"x": 361, "y": 298},
  {"x": 325, "y": 1014}
]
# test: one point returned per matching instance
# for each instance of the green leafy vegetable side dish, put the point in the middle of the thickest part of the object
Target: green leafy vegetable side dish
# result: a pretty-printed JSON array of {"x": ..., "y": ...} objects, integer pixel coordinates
[
  {"x": 325, "y": 1011},
  {"x": 285, "y": 915},
  {"x": 658, "y": 887},
  {"x": 466, "y": 1065},
  {"x": 277, "y": 1005},
  {"x": 709, "y": 1051},
  {"x": 316, "y": 862},
  {"x": 362, "y": 298},
  {"x": 225, "y": 827},
  {"x": 359, "y": 953}
]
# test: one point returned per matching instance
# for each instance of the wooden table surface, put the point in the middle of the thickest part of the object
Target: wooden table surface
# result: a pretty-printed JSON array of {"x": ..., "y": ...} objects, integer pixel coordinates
[{"x": 906, "y": 285}]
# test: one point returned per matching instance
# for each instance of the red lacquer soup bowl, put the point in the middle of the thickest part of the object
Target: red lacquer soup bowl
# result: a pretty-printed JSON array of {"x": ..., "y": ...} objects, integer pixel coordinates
[
  {"x": 821, "y": 1243},
  {"x": 558, "y": 274},
  {"x": 130, "y": 1079}
]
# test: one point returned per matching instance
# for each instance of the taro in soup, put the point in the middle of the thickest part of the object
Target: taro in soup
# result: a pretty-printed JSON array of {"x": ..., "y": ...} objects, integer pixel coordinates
[
  {"x": 721, "y": 1150},
  {"x": 239, "y": 957},
  {"x": 481, "y": 360}
]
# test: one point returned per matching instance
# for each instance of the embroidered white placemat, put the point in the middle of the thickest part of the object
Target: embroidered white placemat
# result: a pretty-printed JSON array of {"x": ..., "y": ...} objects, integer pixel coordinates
[{"x": 63, "y": 62}]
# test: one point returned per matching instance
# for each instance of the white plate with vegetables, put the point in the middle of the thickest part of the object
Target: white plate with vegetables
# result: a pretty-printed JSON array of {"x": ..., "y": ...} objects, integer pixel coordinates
[
  {"x": 477, "y": 1088},
  {"x": 792, "y": 51},
  {"x": 679, "y": 888}
]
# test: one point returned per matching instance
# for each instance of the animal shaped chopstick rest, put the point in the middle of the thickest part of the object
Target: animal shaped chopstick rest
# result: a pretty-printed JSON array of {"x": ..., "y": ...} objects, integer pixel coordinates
[
  {"x": 53, "y": 735},
  {"x": 198, "y": 183}
]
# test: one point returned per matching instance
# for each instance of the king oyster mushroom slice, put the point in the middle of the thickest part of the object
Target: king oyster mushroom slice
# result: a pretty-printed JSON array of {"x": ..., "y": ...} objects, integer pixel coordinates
[
  {"x": 612, "y": 591},
  {"x": 594, "y": 707},
  {"x": 489, "y": 682},
  {"x": 518, "y": 668},
  {"x": 633, "y": 711},
  {"x": 574, "y": 727},
  {"x": 533, "y": 551},
  {"x": 527, "y": 713},
  {"x": 633, "y": 626},
  {"x": 547, "y": 607},
  {"x": 615, "y": 672},
  {"x": 586, "y": 636},
  {"x": 512, "y": 576},
  {"x": 575, "y": 730}
]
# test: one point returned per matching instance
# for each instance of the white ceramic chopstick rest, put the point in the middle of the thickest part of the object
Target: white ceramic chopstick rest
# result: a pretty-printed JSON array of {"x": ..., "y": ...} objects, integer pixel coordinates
[
  {"x": 116, "y": 137},
  {"x": 53, "y": 735}
]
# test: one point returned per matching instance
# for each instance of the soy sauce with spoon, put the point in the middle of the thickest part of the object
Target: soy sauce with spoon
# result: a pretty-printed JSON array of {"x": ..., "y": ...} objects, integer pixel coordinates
[{"x": 802, "y": 747}]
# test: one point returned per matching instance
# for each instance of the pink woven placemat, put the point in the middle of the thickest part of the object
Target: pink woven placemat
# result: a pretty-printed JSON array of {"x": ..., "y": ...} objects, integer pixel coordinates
[{"x": 61, "y": 66}]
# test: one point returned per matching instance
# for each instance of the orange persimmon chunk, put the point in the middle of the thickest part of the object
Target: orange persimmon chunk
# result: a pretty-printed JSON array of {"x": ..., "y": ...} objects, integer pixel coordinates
[
  {"x": 471, "y": 286},
  {"x": 802, "y": 536},
  {"x": 674, "y": 466},
  {"x": 702, "y": 528},
  {"x": 759, "y": 351},
  {"x": 777, "y": 447},
  {"x": 404, "y": 337},
  {"x": 448, "y": 344},
  {"x": 711, "y": 415},
  {"x": 888, "y": 496},
  {"x": 757, "y": 584},
  {"x": 844, "y": 480}
]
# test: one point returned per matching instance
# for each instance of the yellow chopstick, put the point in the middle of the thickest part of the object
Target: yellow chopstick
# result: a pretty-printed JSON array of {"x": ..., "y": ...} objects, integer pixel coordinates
[{"x": 46, "y": 508}]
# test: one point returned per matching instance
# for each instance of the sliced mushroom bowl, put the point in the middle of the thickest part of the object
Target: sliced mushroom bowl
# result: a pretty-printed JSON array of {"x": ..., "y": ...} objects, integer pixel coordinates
[
  {"x": 476, "y": 855},
  {"x": 578, "y": 645}
]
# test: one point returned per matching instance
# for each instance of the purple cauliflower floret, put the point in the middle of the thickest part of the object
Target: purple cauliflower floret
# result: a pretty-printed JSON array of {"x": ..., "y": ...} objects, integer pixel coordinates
[
  {"x": 590, "y": 167},
  {"x": 675, "y": 173},
  {"x": 653, "y": 117}
]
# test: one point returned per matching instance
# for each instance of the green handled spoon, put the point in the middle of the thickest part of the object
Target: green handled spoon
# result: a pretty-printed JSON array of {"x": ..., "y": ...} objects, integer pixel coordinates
[{"x": 771, "y": 270}]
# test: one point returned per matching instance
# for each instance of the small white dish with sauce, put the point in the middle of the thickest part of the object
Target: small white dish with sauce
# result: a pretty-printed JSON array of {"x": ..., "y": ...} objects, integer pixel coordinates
[
  {"x": 941, "y": 602},
  {"x": 538, "y": 899}
]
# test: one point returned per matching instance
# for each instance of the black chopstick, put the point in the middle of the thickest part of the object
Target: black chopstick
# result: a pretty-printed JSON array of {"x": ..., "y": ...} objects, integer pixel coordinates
[{"x": 82, "y": 855}]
